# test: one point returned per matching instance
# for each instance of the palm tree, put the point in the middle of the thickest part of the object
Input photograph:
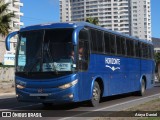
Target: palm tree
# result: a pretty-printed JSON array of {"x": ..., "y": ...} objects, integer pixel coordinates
[
  {"x": 5, "y": 18},
  {"x": 92, "y": 20}
]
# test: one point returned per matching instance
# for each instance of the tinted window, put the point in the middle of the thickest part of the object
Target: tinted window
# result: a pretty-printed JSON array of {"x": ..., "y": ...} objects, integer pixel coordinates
[
  {"x": 137, "y": 48},
  {"x": 119, "y": 48},
  {"x": 83, "y": 55},
  {"x": 99, "y": 41},
  {"x": 128, "y": 47},
  {"x": 132, "y": 47},
  {"x": 84, "y": 35},
  {"x": 112, "y": 44},
  {"x": 107, "y": 42},
  {"x": 123, "y": 46},
  {"x": 83, "y": 51},
  {"x": 93, "y": 41},
  {"x": 145, "y": 50}
]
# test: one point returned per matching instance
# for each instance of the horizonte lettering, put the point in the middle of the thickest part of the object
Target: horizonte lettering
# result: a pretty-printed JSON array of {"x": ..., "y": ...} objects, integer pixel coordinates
[{"x": 113, "y": 61}]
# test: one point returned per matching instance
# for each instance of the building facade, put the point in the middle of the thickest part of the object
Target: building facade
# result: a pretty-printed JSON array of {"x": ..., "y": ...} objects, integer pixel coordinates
[
  {"x": 156, "y": 44},
  {"x": 15, "y": 24},
  {"x": 132, "y": 17}
]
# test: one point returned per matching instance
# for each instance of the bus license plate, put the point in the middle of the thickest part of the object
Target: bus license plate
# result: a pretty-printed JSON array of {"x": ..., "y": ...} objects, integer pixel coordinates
[{"x": 39, "y": 95}]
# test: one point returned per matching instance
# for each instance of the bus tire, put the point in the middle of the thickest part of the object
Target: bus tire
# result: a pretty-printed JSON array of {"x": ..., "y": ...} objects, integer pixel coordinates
[
  {"x": 143, "y": 88},
  {"x": 96, "y": 94}
]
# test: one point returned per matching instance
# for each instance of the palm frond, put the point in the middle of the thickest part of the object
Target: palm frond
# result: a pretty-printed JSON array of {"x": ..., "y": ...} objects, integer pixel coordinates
[
  {"x": 92, "y": 20},
  {"x": 5, "y": 18}
]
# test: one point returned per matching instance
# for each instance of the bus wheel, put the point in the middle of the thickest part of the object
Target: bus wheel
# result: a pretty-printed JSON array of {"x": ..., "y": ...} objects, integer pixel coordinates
[
  {"x": 95, "y": 95},
  {"x": 143, "y": 88}
]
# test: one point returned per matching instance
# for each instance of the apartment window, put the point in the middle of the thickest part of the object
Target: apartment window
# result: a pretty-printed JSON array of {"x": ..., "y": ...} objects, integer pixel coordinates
[
  {"x": 134, "y": 6},
  {"x": 115, "y": 16},
  {"x": 135, "y": 24},
  {"x": 134, "y": 3},
  {"x": 134, "y": 11},
  {"x": 134, "y": 19},
  {"x": 115, "y": 8},
  {"x": 135, "y": 32},
  {"x": 134, "y": 15}
]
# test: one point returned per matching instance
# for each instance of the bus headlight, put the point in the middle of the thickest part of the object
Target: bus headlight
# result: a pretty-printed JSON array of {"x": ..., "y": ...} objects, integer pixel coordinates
[
  {"x": 65, "y": 86},
  {"x": 20, "y": 87}
]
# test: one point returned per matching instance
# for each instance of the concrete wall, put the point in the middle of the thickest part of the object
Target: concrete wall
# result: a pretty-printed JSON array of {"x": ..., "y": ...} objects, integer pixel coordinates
[
  {"x": 2, "y": 50},
  {"x": 6, "y": 74}
]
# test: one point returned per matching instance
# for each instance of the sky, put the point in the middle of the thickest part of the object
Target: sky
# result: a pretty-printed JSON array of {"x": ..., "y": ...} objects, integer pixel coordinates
[{"x": 44, "y": 11}]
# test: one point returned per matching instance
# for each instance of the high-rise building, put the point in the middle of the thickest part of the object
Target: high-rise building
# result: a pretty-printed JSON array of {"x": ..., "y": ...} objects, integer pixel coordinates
[
  {"x": 132, "y": 17},
  {"x": 15, "y": 24},
  {"x": 14, "y": 7}
]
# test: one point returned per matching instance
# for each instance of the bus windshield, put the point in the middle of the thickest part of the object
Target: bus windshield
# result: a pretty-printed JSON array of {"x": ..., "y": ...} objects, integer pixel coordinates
[{"x": 45, "y": 51}]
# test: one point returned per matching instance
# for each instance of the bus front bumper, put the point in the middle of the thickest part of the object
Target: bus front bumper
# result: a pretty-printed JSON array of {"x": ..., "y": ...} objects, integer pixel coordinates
[{"x": 58, "y": 97}]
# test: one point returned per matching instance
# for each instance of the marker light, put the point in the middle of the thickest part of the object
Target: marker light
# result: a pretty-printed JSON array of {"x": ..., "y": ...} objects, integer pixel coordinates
[
  {"x": 65, "y": 86},
  {"x": 20, "y": 87}
]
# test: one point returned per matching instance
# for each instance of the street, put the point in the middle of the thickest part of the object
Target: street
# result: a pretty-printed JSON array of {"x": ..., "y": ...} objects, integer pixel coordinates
[{"x": 114, "y": 103}]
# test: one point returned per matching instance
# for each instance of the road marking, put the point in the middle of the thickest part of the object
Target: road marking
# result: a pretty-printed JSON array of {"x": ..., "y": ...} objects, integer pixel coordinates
[
  {"x": 128, "y": 102},
  {"x": 156, "y": 95}
]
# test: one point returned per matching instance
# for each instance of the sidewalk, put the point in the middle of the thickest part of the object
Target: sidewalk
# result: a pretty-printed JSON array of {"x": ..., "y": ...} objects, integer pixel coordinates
[{"x": 7, "y": 88}]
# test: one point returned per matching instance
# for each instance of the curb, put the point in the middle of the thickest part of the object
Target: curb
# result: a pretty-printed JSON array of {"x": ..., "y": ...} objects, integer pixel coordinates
[
  {"x": 3, "y": 94},
  {"x": 7, "y": 95}
]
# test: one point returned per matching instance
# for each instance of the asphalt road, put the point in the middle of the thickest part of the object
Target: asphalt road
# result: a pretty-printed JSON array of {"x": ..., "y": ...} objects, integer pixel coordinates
[{"x": 114, "y": 103}]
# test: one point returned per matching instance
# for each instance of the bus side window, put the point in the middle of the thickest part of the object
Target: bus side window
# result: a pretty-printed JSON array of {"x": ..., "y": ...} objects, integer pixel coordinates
[
  {"x": 118, "y": 42},
  {"x": 128, "y": 47},
  {"x": 123, "y": 46},
  {"x": 112, "y": 44},
  {"x": 132, "y": 48},
  {"x": 107, "y": 42},
  {"x": 93, "y": 40},
  {"x": 137, "y": 49},
  {"x": 83, "y": 50},
  {"x": 100, "y": 47},
  {"x": 145, "y": 50}
]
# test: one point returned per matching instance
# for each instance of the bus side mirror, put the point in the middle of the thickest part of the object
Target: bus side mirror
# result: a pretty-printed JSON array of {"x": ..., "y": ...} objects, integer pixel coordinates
[{"x": 7, "y": 41}]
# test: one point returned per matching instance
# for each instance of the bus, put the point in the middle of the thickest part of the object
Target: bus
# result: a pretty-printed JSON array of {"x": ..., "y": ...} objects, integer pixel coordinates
[{"x": 103, "y": 63}]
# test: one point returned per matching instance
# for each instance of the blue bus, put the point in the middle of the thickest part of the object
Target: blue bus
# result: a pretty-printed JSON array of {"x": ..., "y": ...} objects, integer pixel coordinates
[{"x": 71, "y": 62}]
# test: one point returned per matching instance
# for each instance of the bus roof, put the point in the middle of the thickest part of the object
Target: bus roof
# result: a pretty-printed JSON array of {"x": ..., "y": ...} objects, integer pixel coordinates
[{"x": 75, "y": 25}]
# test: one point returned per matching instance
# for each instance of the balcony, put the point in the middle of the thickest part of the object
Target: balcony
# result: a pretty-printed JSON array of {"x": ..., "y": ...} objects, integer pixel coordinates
[
  {"x": 19, "y": 13},
  {"x": 19, "y": 23},
  {"x": 18, "y": 4}
]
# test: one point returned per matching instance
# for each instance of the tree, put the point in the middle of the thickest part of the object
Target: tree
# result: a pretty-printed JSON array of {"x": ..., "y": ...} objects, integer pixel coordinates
[
  {"x": 5, "y": 18},
  {"x": 92, "y": 20},
  {"x": 157, "y": 60}
]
